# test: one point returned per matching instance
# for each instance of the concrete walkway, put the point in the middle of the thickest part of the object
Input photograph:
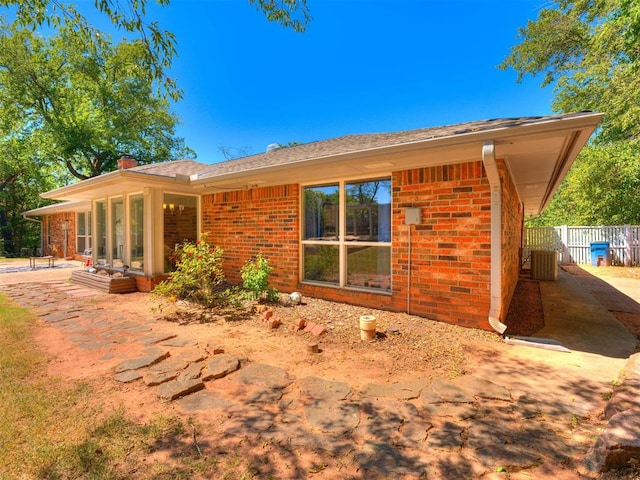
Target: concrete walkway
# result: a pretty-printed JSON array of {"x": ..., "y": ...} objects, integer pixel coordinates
[
  {"x": 16, "y": 271},
  {"x": 523, "y": 415}
]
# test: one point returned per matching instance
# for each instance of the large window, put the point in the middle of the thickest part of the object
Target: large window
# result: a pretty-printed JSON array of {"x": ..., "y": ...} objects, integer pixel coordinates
[
  {"x": 347, "y": 234},
  {"x": 83, "y": 231},
  {"x": 136, "y": 232}
]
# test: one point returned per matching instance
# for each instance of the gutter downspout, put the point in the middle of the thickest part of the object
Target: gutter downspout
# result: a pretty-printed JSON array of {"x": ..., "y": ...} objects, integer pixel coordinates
[
  {"x": 41, "y": 231},
  {"x": 491, "y": 168}
]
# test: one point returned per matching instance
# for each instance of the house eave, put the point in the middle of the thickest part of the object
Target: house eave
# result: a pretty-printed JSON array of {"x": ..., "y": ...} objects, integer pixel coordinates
[
  {"x": 113, "y": 183},
  {"x": 63, "y": 207},
  {"x": 556, "y": 142}
]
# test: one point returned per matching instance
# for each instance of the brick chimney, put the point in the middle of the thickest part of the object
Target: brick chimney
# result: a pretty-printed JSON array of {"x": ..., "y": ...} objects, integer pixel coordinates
[{"x": 126, "y": 161}]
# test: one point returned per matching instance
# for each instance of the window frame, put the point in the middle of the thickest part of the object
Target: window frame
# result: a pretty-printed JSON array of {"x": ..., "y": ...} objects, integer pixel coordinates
[
  {"x": 87, "y": 236},
  {"x": 342, "y": 242}
]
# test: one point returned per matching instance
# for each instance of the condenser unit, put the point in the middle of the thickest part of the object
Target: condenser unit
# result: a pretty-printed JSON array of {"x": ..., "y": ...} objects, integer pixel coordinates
[{"x": 544, "y": 265}]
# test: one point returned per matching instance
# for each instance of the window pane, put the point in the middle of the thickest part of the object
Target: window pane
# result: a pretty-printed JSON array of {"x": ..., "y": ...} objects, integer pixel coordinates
[
  {"x": 81, "y": 230},
  {"x": 321, "y": 263},
  {"x": 369, "y": 267},
  {"x": 321, "y": 213},
  {"x": 180, "y": 224},
  {"x": 101, "y": 232},
  {"x": 368, "y": 215},
  {"x": 81, "y": 224},
  {"x": 136, "y": 232},
  {"x": 117, "y": 233}
]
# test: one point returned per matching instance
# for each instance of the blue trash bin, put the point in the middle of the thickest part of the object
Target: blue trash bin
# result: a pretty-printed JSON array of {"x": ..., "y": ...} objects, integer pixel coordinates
[{"x": 600, "y": 254}]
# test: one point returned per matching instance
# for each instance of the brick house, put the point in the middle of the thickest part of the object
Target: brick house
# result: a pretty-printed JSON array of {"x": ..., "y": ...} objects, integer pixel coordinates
[{"x": 427, "y": 221}]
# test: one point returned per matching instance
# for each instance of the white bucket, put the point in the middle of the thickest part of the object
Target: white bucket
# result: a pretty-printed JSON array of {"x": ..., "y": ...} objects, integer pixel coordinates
[{"x": 367, "y": 327}]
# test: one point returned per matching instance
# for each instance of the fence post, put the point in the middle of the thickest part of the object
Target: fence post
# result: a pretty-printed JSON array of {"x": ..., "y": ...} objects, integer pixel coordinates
[
  {"x": 628, "y": 258},
  {"x": 564, "y": 238}
]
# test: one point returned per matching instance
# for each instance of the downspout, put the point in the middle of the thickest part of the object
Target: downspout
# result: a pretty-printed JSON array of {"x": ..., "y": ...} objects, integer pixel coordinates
[
  {"x": 41, "y": 231},
  {"x": 491, "y": 168}
]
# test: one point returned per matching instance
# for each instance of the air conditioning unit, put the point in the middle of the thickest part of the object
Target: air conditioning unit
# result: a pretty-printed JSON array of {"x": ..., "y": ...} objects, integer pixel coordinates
[{"x": 544, "y": 265}]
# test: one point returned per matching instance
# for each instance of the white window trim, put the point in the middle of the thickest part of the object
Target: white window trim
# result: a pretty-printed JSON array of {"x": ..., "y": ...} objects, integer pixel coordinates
[{"x": 88, "y": 227}]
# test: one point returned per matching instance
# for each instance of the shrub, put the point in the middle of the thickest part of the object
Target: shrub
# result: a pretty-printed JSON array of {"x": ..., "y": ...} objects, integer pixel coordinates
[
  {"x": 255, "y": 279},
  {"x": 198, "y": 276}
]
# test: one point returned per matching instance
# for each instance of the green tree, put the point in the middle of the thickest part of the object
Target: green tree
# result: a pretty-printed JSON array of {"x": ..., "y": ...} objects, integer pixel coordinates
[
  {"x": 588, "y": 52},
  {"x": 86, "y": 106},
  {"x": 158, "y": 45},
  {"x": 600, "y": 189},
  {"x": 22, "y": 178}
]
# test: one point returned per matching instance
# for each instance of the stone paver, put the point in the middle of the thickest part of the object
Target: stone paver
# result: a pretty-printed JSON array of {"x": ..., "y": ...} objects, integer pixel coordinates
[
  {"x": 149, "y": 358},
  {"x": 264, "y": 375},
  {"x": 128, "y": 376},
  {"x": 179, "y": 388},
  {"x": 205, "y": 400},
  {"x": 221, "y": 366},
  {"x": 317, "y": 388},
  {"x": 400, "y": 390}
]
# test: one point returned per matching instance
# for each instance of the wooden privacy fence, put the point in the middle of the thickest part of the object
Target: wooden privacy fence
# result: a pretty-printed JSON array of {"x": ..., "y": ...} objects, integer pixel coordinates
[{"x": 573, "y": 244}]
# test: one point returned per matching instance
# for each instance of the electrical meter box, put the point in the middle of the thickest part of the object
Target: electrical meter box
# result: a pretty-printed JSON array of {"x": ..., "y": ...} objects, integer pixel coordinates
[{"x": 412, "y": 215}]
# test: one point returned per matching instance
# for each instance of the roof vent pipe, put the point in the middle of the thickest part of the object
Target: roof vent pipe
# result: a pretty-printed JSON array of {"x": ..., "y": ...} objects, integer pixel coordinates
[{"x": 491, "y": 168}]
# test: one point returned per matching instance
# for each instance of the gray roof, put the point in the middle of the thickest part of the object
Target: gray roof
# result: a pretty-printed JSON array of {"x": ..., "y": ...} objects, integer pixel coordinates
[
  {"x": 172, "y": 168},
  {"x": 362, "y": 142}
]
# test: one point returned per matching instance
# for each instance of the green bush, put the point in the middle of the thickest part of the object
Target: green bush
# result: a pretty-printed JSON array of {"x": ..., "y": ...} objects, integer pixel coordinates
[
  {"x": 198, "y": 276},
  {"x": 255, "y": 279}
]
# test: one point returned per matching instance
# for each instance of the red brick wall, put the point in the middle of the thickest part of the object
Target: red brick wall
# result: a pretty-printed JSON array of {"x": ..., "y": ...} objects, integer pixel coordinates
[
  {"x": 54, "y": 224},
  {"x": 450, "y": 248},
  {"x": 261, "y": 220},
  {"x": 512, "y": 224}
]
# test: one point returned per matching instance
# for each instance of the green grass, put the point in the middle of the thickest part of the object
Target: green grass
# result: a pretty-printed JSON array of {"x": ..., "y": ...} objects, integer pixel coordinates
[{"x": 54, "y": 429}]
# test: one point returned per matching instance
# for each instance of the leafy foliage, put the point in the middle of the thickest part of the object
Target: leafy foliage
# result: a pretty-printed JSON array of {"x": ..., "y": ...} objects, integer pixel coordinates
[
  {"x": 158, "y": 45},
  {"x": 255, "y": 278},
  {"x": 199, "y": 275},
  {"x": 288, "y": 13},
  {"x": 22, "y": 178},
  {"x": 600, "y": 189},
  {"x": 85, "y": 105},
  {"x": 589, "y": 51}
]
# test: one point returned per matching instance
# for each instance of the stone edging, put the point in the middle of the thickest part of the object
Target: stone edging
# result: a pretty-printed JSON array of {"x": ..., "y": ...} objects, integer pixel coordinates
[{"x": 618, "y": 446}]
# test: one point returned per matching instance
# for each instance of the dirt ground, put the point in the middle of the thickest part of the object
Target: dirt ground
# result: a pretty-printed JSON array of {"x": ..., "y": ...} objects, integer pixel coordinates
[{"x": 406, "y": 347}]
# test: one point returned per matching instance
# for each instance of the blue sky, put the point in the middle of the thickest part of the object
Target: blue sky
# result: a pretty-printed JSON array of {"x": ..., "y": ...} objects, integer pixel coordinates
[{"x": 362, "y": 66}]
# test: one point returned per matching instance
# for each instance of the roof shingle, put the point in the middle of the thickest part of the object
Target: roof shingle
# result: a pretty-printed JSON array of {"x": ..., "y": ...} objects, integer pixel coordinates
[{"x": 361, "y": 142}]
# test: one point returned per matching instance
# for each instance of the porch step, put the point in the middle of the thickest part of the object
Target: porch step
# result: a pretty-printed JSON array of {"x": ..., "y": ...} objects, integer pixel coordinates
[{"x": 104, "y": 283}]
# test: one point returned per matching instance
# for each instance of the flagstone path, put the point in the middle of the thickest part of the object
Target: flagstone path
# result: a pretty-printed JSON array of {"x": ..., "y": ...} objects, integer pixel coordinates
[{"x": 462, "y": 428}]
